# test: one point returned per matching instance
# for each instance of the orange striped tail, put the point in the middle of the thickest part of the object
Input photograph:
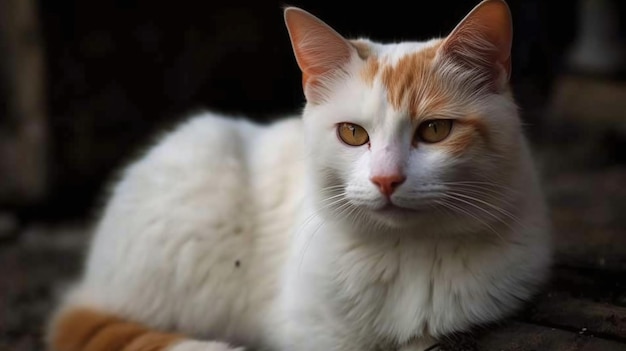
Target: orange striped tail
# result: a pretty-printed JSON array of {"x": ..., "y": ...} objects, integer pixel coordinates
[{"x": 84, "y": 329}]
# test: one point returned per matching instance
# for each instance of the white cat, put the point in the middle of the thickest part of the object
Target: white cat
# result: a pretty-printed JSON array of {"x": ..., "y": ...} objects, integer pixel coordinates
[{"x": 402, "y": 206}]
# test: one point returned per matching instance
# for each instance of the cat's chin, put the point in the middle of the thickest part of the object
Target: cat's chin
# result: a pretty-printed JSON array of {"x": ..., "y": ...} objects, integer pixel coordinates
[
  {"x": 397, "y": 216},
  {"x": 395, "y": 210}
]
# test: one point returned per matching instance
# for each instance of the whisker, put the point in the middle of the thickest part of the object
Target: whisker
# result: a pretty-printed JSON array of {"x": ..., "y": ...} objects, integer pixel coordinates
[
  {"x": 302, "y": 254},
  {"x": 308, "y": 243},
  {"x": 332, "y": 197},
  {"x": 500, "y": 210},
  {"x": 454, "y": 207},
  {"x": 481, "y": 183},
  {"x": 492, "y": 194},
  {"x": 332, "y": 187},
  {"x": 315, "y": 213},
  {"x": 483, "y": 187},
  {"x": 483, "y": 210}
]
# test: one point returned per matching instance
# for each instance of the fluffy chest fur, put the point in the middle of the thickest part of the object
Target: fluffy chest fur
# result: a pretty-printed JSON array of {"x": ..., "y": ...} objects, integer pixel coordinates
[{"x": 395, "y": 289}]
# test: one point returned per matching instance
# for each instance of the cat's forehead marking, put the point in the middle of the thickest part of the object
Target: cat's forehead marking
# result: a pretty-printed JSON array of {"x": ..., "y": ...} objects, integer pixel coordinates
[
  {"x": 370, "y": 70},
  {"x": 406, "y": 73},
  {"x": 366, "y": 52},
  {"x": 412, "y": 85}
]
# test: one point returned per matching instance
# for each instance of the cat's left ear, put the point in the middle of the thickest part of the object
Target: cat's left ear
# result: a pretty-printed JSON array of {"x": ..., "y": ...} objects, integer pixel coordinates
[
  {"x": 482, "y": 41},
  {"x": 320, "y": 51}
]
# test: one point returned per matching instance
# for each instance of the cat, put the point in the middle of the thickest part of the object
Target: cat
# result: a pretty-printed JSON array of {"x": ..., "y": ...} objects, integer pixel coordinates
[{"x": 403, "y": 205}]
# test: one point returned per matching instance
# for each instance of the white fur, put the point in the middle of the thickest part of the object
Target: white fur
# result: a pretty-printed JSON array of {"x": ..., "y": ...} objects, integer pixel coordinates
[{"x": 226, "y": 230}]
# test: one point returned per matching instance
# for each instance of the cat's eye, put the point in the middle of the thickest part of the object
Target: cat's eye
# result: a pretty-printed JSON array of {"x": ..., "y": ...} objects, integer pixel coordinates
[
  {"x": 352, "y": 134},
  {"x": 434, "y": 130}
]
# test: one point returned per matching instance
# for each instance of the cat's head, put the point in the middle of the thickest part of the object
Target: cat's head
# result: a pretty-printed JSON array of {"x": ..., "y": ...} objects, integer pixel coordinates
[{"x": 408, "y": 132}]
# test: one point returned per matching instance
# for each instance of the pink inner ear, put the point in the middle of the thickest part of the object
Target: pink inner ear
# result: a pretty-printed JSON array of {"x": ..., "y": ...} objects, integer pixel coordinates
[
  {"x": 318, "y": 48},
  {"x": 484, "y": 37}
]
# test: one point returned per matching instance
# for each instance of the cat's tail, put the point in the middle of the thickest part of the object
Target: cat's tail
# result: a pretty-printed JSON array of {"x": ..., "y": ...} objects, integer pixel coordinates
[{"x": 87, "y": 329}]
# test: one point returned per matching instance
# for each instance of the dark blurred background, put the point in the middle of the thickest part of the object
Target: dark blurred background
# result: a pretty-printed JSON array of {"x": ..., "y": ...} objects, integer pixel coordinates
[
  {"x": 115, "y": 72},
  {"x": 86, "y": 85}
]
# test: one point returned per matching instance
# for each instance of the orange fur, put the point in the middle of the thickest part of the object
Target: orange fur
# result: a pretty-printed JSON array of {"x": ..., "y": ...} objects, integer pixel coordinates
[
  {"x": 479, "y": 126},
  {"x": 464, "y": 134},
  {"x": 114, "y": 337},
  {"x": 412, "y": 84},
  {"x": 458, "y": 142},
  {"x": 83, "y": 329},
  {"x": 370, "y": 70},
  {"x": 152, "y": 342}
]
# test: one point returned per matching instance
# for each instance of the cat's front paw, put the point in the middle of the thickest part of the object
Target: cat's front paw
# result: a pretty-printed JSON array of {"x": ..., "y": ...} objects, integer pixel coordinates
[{"x": 193, "y": 345}]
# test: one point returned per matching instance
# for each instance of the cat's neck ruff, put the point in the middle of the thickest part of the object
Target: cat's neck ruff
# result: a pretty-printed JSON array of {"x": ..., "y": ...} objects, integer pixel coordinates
[{"x": 400, "y": 285}]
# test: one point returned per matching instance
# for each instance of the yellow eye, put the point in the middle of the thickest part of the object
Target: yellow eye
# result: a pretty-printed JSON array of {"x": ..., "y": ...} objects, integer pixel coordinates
[
  {"x": 434, "y": 131},
  {"x": 352, "y": 134}
]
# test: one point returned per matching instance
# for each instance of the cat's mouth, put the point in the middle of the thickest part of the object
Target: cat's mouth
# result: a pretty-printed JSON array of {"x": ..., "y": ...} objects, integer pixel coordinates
[{"x": 390, "y": 209}]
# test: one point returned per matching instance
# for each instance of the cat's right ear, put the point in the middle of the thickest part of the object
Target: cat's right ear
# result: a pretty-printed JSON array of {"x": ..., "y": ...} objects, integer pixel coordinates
[
  {"x": 482, "y": 41},
  {"x": 320, "y": 51}
]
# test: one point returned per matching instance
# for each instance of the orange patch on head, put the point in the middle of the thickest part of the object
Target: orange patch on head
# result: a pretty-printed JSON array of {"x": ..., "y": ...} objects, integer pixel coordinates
[
  {"x": 412, "y": 83},
  {"x": 372, "y": 65},
  {"x": 368, "y": 73},
  {"x": 83, "y": 329}
]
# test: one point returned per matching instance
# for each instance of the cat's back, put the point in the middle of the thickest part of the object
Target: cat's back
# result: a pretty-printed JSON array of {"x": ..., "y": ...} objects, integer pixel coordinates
[{"x": 202, "y": 217}]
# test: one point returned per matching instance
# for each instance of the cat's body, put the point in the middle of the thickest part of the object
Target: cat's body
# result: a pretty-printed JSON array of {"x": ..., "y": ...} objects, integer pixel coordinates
[{"x": 283, "y": 237}]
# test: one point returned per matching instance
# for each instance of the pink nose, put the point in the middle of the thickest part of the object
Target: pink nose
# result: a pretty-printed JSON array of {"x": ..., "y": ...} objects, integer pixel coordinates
[{"x": 387, "y": 184}]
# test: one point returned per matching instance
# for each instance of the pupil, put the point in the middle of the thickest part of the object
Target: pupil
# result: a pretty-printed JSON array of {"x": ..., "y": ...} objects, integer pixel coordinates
[{"x": 434, "y": 125}]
